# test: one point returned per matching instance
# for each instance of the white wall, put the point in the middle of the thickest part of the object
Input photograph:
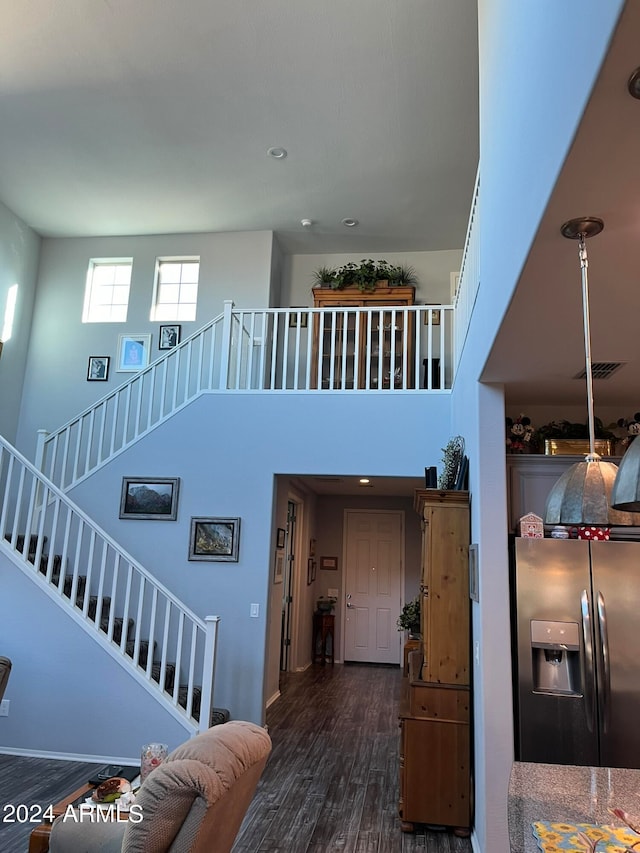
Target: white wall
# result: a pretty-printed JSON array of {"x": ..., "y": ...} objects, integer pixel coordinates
[
  {"x": 19, "y": 254},
  {"x": 66, "y": 694},
  {"x": 232, "y": 266},
  {"x": 226, "y": 448},
  {"x": 432, "y": 268},
  {"x": 525, "y": 133}
]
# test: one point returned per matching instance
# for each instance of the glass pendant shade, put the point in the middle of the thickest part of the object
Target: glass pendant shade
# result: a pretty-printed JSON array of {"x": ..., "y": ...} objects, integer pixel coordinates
[
  {"x": 582, "y": 496},
  {"x": 625, "y": 494}
]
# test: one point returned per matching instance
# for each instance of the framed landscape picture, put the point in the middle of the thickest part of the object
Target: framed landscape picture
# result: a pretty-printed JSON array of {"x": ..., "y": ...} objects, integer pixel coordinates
[
  {"x": 150, "y": 498},
  {"x": 215, "y": 539}
]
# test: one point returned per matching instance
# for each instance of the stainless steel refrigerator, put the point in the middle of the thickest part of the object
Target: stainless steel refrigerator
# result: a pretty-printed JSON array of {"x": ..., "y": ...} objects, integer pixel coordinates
[{"x": 577, "y": 625}]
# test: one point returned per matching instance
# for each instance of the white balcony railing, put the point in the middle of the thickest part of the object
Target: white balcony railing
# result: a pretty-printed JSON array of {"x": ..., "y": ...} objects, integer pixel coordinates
[{"x": 378, "y": 350}]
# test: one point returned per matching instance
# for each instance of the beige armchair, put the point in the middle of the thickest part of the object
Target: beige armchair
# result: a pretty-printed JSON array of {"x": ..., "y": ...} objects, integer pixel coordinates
[
  {"x": 192, "y": 803},
  {"x": 5, "y": 669}
]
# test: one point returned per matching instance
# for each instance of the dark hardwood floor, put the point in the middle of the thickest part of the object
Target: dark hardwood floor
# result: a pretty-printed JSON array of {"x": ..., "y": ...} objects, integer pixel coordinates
[{"x": 331, "y": 783}]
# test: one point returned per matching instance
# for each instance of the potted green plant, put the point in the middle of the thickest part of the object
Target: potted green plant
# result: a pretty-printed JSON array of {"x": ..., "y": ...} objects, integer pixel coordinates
[
  {"x": 409, "y": 618},
  {"x": 324, "y": 276},
  {"x": 402, "y": 275}
]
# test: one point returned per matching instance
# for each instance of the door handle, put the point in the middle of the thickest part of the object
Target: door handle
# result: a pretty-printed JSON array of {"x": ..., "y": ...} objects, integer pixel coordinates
[
  {"x": 586, "y": 664},
  {"x": 604, "y": 699},
  {"x": 349, "y": 604}
]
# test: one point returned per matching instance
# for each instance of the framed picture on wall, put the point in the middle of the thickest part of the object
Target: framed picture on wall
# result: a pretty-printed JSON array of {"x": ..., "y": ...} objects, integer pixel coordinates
[
  {"x": 280, "y": 537},
  {"x": 278, "y": 567},
  {"x": 214, "y": 539},
  {"x": 329, "y": 564},
  {"x": 311, "y": 570},
  {"x": 149, "y": 498},
  {"x": 98, "y": 369},
  {"x": 133, "y": 352},
  {"x": 169, "y": 337},
  {"x": 434, "y": 313}
]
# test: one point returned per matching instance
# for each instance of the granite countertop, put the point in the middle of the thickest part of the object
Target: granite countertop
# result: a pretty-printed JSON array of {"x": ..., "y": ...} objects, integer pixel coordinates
[{"x": 568, "y": 794}]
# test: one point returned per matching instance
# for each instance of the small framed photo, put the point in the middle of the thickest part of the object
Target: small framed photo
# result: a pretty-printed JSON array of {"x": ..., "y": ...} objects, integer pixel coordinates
[
  {"x": 434, "y": 313},
  {"x": 150, "y": 498},
  {"x": 98, "y": 369},
  {"x": 278, "y": 567},
  {"x": 311, "y": 570},
  {"x": 169, "y": 337},
  {"x": 329, "y": 564},
  {"x": 294, "y": 316},
  {"x": 133, "y": 352},
  {"x": 312, "y": 547},
  {"x": 215, "y": 539},
  {"x": 280, "y": 538}
]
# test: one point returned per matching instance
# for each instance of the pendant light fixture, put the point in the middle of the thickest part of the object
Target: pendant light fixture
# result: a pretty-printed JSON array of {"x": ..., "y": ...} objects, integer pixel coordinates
[
  {"x": 582, "y": 495},
  {"x": 625, "y": 494}
]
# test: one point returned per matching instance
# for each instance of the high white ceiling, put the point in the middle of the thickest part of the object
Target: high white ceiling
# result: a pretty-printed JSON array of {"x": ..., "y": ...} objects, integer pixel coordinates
[
  {"x": 155, "y": 116},
  {"x": 540, "y": 347}
]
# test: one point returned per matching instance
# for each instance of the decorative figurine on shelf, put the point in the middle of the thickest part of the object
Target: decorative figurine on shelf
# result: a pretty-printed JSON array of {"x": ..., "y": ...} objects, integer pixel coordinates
[
  {"x": 520, "y": 435},
  {"x": 625, "y": 430}
]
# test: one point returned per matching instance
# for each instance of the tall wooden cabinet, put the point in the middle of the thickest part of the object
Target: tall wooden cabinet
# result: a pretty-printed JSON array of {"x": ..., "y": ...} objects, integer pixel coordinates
[
  {"x": 369, "y": 350},
  {"x": 435, "y": 709}
]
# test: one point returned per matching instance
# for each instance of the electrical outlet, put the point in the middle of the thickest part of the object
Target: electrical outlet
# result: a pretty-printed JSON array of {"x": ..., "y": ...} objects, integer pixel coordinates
[
  {"x": 254, "y": 611},
  {"x": 4, "y": 708}
]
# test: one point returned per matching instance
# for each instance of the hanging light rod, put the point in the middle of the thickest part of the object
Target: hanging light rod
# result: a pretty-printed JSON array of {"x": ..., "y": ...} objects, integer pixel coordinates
[{"x": 582, "y": 494}]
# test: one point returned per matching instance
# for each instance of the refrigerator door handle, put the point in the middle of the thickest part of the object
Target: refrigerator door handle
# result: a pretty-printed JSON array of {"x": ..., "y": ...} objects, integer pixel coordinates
[
  {"x": 604, "y": 700},
  {"x": 588, "y": 679}
]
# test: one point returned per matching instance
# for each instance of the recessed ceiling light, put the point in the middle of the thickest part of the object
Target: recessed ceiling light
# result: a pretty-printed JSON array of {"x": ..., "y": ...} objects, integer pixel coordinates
[
  {"x": 277, "y": 153},
  {"x": 350, "y": 223},
  {"x": 364, "y": 480}
]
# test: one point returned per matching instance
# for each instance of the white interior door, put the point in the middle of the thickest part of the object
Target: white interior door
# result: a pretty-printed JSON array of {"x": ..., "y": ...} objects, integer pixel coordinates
[{"x": 373, "y": 573}]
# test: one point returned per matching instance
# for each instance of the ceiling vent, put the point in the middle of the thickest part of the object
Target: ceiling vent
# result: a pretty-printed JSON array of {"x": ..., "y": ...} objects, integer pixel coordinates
[{"x": 600, "y": 369}]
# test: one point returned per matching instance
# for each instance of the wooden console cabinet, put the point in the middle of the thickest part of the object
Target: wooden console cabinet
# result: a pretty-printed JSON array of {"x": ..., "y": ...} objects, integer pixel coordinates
[
  {"x": 435, "y": 710},
  {"x": 346, "y": 351}
]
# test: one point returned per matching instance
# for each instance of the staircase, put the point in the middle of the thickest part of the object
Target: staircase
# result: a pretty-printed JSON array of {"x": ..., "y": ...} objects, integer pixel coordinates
[{"x": 166, "y": 647}]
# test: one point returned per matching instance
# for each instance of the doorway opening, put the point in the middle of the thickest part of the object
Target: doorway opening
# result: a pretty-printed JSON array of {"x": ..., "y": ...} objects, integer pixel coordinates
[{"x": 288, "y": 587}]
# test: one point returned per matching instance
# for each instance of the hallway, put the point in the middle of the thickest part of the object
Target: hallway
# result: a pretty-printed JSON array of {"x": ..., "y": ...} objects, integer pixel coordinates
[{"x": 331, "y": 782}]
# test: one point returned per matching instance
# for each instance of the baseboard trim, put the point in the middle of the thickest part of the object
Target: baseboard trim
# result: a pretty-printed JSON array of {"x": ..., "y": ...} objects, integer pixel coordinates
[
  {"x": 71, "y": 756},
  {"x": 273, "y": 699}
]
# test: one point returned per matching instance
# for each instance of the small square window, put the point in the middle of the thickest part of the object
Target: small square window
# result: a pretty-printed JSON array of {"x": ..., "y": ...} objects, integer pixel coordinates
[
  {"x": 176, "y": 289},
  {"x": 106, "y": 297}
]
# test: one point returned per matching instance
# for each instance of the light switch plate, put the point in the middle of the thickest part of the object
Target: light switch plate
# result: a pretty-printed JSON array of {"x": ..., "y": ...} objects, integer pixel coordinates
[{"x": 332, "y": 593}]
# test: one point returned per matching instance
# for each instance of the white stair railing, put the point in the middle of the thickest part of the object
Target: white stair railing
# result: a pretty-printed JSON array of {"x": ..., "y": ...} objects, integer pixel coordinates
[
  {"x": 469, "y": 280},
  {"x": 328, "y": 350},
  {"x": 129, "y": 412},
  {"x": 165, "y": 646}
]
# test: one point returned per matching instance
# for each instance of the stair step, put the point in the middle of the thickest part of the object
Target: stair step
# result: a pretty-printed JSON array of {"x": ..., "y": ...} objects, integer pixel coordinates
[
  {"x": 143, "y": 652},
  {"x": 169, "y": 676},
  {"x": 33, "y": 542},
  {"x": 117, "y": 628},
  {"x": 218, "y": 715}
]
